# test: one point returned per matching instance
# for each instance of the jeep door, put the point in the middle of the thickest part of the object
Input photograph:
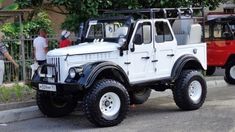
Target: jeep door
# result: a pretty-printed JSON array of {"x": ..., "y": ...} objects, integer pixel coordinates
[
  {"x": 165, "y": 44},
  {"x": 141, "y": 53}
]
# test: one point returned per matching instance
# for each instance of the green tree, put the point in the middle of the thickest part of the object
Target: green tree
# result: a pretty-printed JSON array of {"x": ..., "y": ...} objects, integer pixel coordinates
[
  {"x": 80, "y": 10},
  {"x": 30, "y": 27},
  {"x": 37, "y": 19}
]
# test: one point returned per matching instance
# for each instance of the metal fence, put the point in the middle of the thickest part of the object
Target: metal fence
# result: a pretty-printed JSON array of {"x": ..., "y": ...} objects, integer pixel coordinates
[{"x": 24, "y": 56}]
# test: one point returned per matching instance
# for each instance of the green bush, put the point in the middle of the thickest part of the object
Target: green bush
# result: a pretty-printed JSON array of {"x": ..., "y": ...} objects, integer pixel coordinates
[
  {"x": 30, "y": 27},
  {"x": 16, "y": 93}
]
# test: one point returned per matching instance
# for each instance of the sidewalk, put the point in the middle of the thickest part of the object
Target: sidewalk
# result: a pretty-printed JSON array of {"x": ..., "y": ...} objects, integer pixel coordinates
[{"x": 30, "y": 112}]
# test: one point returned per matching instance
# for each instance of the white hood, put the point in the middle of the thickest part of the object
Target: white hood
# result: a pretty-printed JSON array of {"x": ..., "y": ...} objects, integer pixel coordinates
[{"x": 85, "y": 48}]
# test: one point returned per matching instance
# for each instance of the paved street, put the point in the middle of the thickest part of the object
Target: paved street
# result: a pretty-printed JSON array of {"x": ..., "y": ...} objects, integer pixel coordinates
[
  {"x": 157, "y": 114},
  {"x": 219, "y": 72}
]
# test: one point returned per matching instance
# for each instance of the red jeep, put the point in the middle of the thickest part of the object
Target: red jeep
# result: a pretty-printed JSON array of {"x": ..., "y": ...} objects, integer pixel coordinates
[{"x": 220, "y": 38}]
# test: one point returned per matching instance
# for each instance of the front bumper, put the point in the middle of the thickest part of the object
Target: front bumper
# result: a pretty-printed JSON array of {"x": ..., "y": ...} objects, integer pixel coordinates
[
  {"x": 66, "y": 88},
  {"x": 42, "y": 78}
]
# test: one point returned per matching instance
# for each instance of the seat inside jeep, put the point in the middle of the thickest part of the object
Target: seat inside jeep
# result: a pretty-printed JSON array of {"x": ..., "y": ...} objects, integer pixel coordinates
[{"x": 186, "y": 32}]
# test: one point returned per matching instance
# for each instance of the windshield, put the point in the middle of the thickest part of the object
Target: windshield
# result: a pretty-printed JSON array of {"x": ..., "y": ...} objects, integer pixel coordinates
[{"x": 106, "y": 29}]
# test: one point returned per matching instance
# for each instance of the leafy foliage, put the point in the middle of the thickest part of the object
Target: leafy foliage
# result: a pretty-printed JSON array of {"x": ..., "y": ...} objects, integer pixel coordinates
[
  {"x": 11, "y": 7},
  {"x": 80, "y": 10},
  {"x": 10, "y": 29},
  {"x": 41, "y": 20},
  {"x": 16, "y": 93}
]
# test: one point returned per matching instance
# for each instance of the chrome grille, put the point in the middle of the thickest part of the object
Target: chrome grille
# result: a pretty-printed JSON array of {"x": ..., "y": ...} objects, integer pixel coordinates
[{"x": 56, "y": 62}]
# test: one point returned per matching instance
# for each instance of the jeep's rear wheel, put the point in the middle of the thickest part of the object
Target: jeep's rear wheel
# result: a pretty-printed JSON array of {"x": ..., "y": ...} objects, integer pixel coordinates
[
  {"x": 106, "y": 103},
  {"x": 55, "y": 106},
  {"x": 190, "y": 91},
  {"x": 140, "y": 96},
  {"x": 230, "y": 73},
  {"x": 210, "y": 70}
]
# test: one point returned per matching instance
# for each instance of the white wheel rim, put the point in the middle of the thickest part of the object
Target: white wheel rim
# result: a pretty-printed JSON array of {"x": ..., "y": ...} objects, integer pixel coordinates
[
  {"x": 110, "y": 105},
  {"x": 232, "y": 72},
  {"x": 195, "y": 91}
]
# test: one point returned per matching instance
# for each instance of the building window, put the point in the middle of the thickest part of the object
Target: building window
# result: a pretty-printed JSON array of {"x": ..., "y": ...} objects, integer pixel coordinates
[{"x": 228, "y": 10}]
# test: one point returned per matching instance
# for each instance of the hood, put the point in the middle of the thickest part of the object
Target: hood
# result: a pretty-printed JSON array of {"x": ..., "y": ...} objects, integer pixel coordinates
[{"x": 85, "y": 48}]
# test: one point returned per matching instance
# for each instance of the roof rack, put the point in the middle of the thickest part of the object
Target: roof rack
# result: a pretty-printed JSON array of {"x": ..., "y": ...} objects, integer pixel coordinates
[
  {"x": 195, "y": 13},
  {"x": 167, "y": 13},
  {"x": 225, "y": 19}
]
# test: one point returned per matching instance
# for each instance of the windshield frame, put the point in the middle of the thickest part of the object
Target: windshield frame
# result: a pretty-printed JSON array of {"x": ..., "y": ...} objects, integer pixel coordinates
[{"x": 127, "y": 20}]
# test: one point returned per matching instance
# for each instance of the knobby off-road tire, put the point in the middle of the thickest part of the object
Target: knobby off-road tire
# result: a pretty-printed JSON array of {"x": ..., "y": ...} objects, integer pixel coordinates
[
  {"x": 139, "y": 96},
  {"x": 55, "y": 106},
  {"x": 210, "y": 70},
  {"x": 190, "y": 91},
  {"x": 106, "y": 103},
  {"x": 230, "y": 73}
]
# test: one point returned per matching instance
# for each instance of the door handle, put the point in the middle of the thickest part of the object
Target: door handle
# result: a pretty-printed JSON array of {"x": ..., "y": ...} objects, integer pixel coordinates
[
  {"x": 154, "y": 60},
  {"x": 146, "y": 57},
  {"x": 171, "y": 55},
  {"x": 127, "y": 63}
]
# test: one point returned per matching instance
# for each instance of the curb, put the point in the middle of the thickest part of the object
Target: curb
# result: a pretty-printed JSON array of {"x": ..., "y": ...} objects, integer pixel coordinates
[
  {"x": 20, "y": 114},
  {"x": 216, "y": 83},
  {"x": 16, "y": 105}
]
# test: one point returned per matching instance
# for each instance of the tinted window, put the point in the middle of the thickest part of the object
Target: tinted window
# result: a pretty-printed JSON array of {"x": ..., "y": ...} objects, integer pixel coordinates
[
  {"x": 144, "y": 33},
  {"x": 163, "y": 32},
  {"x": 95, "y": 31}
]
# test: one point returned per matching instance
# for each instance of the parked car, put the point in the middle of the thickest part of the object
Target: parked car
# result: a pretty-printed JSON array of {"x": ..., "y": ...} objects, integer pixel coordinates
[
  {"x": 220, "y": 40},
  {"x": 119, "y": 60}
]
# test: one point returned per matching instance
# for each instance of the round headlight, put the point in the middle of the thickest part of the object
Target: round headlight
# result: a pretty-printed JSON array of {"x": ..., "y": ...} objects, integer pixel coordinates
[{"x": 72, "y": 73}]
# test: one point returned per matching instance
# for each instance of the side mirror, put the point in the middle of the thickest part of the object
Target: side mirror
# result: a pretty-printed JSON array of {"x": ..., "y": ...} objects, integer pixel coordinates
[
  {"x": 121, "y": 40},
  {"x": 138, "y": 40}
]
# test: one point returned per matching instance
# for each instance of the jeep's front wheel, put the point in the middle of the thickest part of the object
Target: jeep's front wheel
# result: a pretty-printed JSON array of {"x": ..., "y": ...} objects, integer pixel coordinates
[
  {"x": 230, "y": 73},
  {"x": 53, "y": 105},
  {"x": 190, "y": 91},
  {"x": 106, "y": 103}
]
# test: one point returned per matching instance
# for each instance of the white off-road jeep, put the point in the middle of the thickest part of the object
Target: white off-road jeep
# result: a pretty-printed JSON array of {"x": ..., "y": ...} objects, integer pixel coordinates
[{"x": 119, "y": 61}]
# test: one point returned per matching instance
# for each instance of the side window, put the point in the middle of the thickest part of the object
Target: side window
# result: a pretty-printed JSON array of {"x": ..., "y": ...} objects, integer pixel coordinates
[
  {"x": 223, "y": 31},
  {"x": 207, "y": 31},
  {"x": 232, "y": 26},
  {"x": 96, "y": 31},
  {"x": 163, "y": 32},
  {"x": 143, "y": 34},
  {"x": 217, "y": 31}
]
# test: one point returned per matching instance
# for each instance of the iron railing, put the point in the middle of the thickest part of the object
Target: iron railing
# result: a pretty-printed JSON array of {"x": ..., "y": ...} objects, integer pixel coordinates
[{"x": 25, "y": 58}]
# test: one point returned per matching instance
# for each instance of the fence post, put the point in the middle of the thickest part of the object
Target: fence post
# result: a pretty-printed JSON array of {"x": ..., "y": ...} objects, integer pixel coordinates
[{"x": 22, "y": 47}]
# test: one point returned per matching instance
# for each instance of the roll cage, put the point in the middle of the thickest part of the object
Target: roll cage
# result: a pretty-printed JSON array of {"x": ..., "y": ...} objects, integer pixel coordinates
[
  {"x": 227, "y": 27},
  {"x": 131, "y": 16}
]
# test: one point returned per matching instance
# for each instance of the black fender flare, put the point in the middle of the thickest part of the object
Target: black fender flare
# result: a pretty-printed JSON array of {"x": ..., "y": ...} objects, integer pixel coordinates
[
  {"x": 185, "y": 62},
  {"x": 94, "y": 69}
]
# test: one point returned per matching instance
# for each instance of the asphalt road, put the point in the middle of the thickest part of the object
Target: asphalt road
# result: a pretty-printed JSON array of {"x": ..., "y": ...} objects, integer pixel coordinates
[
  {"x": 158, "y": 114},
  {"x": 219, "y": 72}
]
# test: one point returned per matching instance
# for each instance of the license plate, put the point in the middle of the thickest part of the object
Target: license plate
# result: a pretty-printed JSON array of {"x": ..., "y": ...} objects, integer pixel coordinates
[{"x": 47, "y": 87}]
